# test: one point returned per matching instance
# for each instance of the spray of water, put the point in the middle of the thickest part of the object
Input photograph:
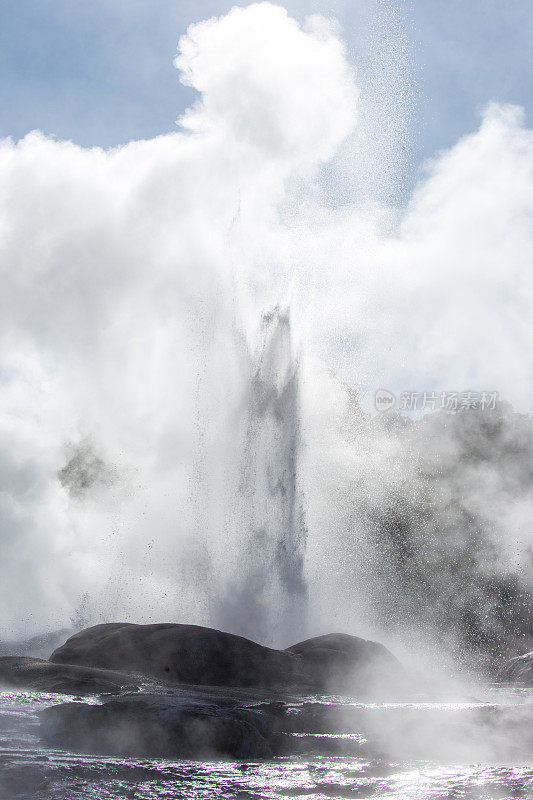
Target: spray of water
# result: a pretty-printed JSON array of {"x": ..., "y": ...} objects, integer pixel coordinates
[
  {"x": 267, "y": 593},
  {"x": 156, "y": 450}
]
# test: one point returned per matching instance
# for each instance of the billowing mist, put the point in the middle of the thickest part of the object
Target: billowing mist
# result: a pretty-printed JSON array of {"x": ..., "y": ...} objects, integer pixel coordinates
[{"x": 193, "y": 328}]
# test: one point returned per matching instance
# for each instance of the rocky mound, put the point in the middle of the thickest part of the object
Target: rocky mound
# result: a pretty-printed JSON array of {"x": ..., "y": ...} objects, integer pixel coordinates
[
  {"x": 156, "y": 726},
  {"x": 181, "y": 654},
  {"x": 338, "y": 662},
  {"x": 190, "y": 654},
  {"x": 200, "y": 724},
  {"x": 218, "y": 695}
]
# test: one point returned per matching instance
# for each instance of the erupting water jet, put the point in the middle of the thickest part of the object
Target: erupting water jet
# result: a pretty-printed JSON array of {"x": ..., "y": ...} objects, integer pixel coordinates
[{"x": 266, "y": 596}]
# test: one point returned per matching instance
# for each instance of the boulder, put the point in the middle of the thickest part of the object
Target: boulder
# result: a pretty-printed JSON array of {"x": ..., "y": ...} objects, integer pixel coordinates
[
  {"x": 190, "y": 654},
  {"x": 338, "y": 662},
  {"x": 517, "y": 671},
  {"x": 182, "y": 654},
  {"x": 42, "y": 676},
  {"x": 156, "y": 726},
  {"x": 219, "y": 695},
  {"x": 209, "y": 725}
]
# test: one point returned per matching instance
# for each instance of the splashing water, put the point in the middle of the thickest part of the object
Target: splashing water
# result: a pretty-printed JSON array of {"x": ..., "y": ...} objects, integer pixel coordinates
[
  {"x": 267, "y": 595},
  {"x": 180, "y": 497}
]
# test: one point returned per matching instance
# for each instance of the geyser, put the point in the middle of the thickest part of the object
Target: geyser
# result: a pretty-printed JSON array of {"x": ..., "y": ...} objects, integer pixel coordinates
[
  {"x": 266, "y": 594},
  {"x": 156, "y": 449},
  {"x": 152, "y": 459}
]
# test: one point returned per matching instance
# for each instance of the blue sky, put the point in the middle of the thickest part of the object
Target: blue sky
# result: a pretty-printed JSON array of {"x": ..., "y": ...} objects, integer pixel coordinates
[{"x": 101, "y": 73}]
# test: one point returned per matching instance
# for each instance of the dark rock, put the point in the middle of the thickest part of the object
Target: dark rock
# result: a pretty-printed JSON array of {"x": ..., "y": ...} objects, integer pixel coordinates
[
  {"x": 155, "y": 726},
  {"x": 208, "y": 726},
  {"x": 42, "y": 676},
  {"x": 190, "y": 654},
  {"x": 181, "y": 654},
  {"x": 517, "y": 671},
  {"x": 338, "y": 662}
]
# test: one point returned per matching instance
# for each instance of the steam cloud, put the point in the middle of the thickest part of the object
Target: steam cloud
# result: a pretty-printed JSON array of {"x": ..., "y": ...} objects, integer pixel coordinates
[{"x": 133, "y": 282}]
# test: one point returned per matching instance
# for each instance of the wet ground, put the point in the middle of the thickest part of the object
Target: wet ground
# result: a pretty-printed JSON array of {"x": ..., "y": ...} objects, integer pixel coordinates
[{"x": 466, "y": 747}]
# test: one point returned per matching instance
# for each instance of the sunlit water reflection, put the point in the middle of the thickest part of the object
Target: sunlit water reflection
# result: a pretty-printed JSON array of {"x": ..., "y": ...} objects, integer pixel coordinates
[{"x": 30, "y": 770}]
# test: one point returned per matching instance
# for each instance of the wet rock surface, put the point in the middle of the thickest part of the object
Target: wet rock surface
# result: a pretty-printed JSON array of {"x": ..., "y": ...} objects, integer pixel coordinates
[
  {"x": 156, "y": 726},
  {"x": 205, "y": 693},
  {"x": 209, "y": 726},
  {"x": 338, "y": 662},
  {"x": 181, "y": 654},
  {"x": 203, "y": 656},
  {"x": 43, "y": 676}
]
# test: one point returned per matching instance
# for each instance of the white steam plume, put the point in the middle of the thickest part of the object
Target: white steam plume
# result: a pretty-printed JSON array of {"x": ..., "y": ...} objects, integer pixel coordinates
[{"x": 132, "y": 285}]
